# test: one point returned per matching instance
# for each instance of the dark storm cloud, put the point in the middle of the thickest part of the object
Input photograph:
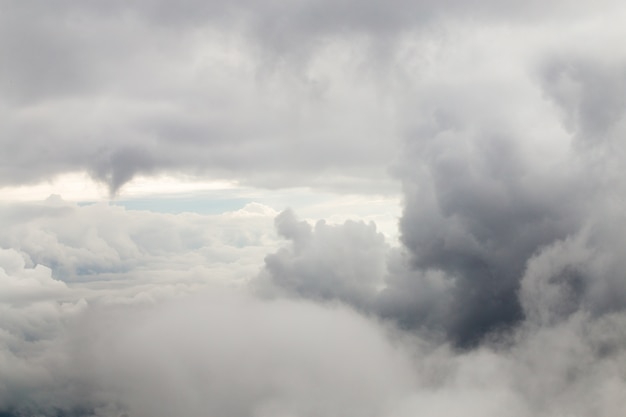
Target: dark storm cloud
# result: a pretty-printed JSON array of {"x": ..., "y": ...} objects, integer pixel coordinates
[
  {"x": 509, "y": 210},
  {"x": 476, "y": 220},
  {"x": 490, "y": 185},
  {"x": 499, "y": 173},
  {"x": 228, "y": 89},
  {"x": 589, "y": 92}
]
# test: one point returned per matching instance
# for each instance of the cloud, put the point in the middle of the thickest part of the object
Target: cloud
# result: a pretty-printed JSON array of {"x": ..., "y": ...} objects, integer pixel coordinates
[
  {"x": 232, "y": 353},
  {"x": 328, "y": 262},
  {"x": 493, "y": 186},
  {"x": 237, "y": 90},
  {"x": 560, "y": 357},
  {"x": 581, "y": 273},
  {"x": 35, "y": 309},
  {"x": 107, "y": 246},
  {"x": 503, "y": 123},
  {"x": 126, "y": 92},
  {"x": 22, "y": 284},
  {"x": 77, "y": 352}
]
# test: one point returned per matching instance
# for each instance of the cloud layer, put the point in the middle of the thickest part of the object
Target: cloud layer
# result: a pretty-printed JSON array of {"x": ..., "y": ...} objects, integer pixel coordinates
[
  {"x": 505, "y": 295},
  {"x": 245, "y": 90}
]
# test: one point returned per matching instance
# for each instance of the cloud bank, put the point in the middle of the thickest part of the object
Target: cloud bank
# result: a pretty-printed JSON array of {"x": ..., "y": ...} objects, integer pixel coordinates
[
  {"x": 503, "y": 123},
  {"x": 244, "y": 90}
]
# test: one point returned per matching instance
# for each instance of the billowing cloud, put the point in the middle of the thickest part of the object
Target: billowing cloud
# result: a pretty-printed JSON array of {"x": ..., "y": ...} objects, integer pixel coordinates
[
  {"x": 511, "y": 171},
  {"x": 125, "y": 256},
  {"x": 35, "y": 309},
  {"x": 234, "y": 354},
  {"x": 328, "y": 262},
  {"x": 503, "y": 122},
  {"x": 142, "y": 89},
  {"x": 492, "y": 185}
]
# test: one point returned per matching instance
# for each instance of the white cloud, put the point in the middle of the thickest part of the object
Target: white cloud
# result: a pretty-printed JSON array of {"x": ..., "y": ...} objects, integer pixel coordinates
[{"x": 102, "y": 241}]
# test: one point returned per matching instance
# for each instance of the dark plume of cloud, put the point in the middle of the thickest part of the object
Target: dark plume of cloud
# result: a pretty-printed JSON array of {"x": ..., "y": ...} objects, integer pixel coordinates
[{"x": 493, "y": 236}]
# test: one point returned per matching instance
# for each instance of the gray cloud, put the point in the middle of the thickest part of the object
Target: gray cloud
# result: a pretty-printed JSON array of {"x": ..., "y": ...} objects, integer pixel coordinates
[
  {"x": 243, "y": 90},
  {"x": 234, "y": 354},
  {"x": 251, "y": 358},
  {"x": 589, "y": 92},
  {"x": 503, "y": 122},
  {"x": 143, "y": 89},
  {"x": 328, "y": 262},
  {"x": 490, "y": 189},
  {"x": 499, "y": 176}
]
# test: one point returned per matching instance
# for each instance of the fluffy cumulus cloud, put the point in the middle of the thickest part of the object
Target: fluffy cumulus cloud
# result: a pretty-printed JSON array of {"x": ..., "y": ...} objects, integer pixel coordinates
[
  {"x": 503, "y": 122},
  {"x": 328, "y": 262},
  {"x": 36, "y": 308},
  {"x": 104, "y": 241}
]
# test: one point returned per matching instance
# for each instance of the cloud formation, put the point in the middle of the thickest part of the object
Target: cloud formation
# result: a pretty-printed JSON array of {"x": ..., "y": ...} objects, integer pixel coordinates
[
  {"x": 341, "y": 262},
  {"x": 238, "y": 90},
  {"x": 142, "y": 89},
  {"x": 105, "y": 241},
  {"x": 504, "y": 123},
  {"x": 511, "y": 154},
  {"x": 234, "y": 354}
]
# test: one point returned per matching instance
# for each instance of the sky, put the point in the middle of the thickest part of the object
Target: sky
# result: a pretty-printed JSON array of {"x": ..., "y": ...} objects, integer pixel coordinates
[{"x": 311, "y": 208}]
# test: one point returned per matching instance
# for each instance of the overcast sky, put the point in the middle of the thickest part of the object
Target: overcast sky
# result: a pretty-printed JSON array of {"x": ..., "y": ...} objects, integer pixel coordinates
[{"x": 312, "y": 208}]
